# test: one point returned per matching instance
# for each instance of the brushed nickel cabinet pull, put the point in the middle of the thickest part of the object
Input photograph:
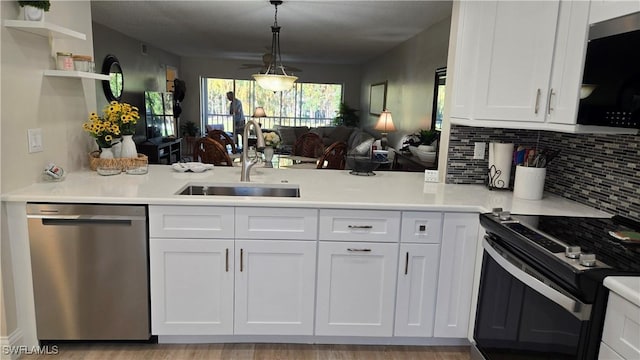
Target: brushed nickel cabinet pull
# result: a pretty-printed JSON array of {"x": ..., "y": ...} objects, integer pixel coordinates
[
  {"x": 406, "y": 264},
  {"x": 549, "y": 108},
  {"x": 241, "y": 262},
  {"x": 226, "y": 261},
  {"x": 360, "y": 227},
  {"x": 358, "y": 250},
  {"x": 535, "y": 111}
]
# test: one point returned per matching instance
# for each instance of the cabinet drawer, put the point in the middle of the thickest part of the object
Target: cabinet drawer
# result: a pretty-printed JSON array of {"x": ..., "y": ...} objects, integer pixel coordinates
[
  {"x": 196, "y": 222},
  {"x": 421, "y": 227},
  {"x": 622, "y": 327},
  {"x": 359, "y": 225},
  {"x": 276, "y": 223}
]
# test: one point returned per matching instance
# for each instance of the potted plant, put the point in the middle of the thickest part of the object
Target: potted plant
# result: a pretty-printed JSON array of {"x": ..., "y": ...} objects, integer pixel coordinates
[
  {"x": 34, "y": 10},
  {"x": 347, "y": 116},
  {"x": 189, "y": 128}
]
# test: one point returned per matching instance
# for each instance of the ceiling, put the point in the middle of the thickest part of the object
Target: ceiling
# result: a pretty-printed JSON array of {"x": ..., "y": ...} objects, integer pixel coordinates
[{"x": 324, "y": 32}]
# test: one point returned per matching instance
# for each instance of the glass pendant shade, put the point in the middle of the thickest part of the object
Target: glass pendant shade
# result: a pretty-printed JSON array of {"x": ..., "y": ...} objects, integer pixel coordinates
[
  {"x": 275, "y": 78},
  {"x": 275, "y": 82}
]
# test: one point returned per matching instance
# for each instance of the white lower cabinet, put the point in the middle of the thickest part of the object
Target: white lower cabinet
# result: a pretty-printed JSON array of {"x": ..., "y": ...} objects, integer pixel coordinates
[
  {"x": 356, "y": 288},
  {"x": 417, "y": 284},
  {"x": 621, "y": 332},
  {"x": 455, "y": 276},
  {"x": 275, "y": 287},
  {"x": 191, "y": 286}
]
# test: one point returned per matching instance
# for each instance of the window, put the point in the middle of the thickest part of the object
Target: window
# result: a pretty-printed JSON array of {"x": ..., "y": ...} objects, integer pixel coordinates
[
  {"x": 438, "y": 98},
  {"x": 306, "y": 104}
]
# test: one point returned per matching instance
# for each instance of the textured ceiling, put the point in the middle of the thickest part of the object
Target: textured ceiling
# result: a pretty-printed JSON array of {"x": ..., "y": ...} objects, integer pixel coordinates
[{"x": 339, "y": 32}]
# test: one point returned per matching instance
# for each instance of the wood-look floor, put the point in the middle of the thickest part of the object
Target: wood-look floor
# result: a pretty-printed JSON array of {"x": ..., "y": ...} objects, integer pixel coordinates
[{"x": 252, "y": 351}]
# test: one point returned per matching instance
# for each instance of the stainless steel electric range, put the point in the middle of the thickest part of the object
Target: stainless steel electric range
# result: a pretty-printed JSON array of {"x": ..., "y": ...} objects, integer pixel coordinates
[{"x": 541, "y": 294}]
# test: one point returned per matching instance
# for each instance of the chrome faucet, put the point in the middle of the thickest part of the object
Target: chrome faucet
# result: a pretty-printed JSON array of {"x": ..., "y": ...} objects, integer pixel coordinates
[{"x": 246, "y": 162}]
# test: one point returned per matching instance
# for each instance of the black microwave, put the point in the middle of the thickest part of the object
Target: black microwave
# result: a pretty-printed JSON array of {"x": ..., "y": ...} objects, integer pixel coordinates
[{"x": 610, "y": 91}]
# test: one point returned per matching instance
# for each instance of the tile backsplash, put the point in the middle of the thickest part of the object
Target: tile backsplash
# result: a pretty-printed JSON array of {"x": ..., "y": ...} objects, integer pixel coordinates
[{"x": 601, "y": 171}]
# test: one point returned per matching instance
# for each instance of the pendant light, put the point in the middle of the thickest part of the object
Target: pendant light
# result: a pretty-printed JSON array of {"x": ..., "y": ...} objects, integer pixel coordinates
[{"x": 275, "y": 78}]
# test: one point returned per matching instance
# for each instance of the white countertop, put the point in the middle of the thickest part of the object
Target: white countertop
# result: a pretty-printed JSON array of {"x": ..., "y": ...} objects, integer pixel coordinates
[
  {"x": 318, "y": 188},
  {"x": 626, "y": 286}
]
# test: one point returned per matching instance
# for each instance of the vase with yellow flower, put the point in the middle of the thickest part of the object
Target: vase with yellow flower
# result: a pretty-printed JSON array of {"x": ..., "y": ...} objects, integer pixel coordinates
[
  {"x": 104, "y": 131},
  {"x": 126, "y": 117},
  {"x": 271, "y": 141}
]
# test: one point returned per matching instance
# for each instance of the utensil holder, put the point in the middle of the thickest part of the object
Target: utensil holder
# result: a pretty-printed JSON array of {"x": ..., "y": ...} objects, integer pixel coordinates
[{"x": 529, "y": 182}]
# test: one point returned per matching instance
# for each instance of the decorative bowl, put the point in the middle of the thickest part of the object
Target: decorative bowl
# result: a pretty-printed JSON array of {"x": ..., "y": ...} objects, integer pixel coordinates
[{"x": 361, "y": 164}]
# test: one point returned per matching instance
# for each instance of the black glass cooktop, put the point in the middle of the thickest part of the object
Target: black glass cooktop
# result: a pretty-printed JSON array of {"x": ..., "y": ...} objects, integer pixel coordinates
[{"x": 604, "y": 237}]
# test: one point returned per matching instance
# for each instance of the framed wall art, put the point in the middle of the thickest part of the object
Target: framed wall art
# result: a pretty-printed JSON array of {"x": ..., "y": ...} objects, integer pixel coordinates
[{"x": 377, "y": 98}]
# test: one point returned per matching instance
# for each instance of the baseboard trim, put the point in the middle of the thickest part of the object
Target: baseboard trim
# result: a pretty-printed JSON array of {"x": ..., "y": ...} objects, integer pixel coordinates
[
  {"x": 13, "y": 340},
  {"x": 293, "y": 339}
]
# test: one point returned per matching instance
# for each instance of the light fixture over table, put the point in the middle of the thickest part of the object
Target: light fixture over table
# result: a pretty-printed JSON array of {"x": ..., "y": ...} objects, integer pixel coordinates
[
  {"x": 275, "y": 78},
  {"x": 385, "y": 125}
]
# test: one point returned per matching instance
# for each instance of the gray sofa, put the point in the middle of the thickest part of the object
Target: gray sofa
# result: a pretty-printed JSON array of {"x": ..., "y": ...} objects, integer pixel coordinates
[{"x": 358, "y": 141}]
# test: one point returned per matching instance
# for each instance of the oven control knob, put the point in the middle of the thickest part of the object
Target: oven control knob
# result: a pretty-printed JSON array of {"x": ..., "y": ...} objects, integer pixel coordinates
[
  {"x": 572, "y": 252},
  {"x": 505, "y": 215},
  {"x": 496, "y": 212},
  {"x": 588, "y": 260}
]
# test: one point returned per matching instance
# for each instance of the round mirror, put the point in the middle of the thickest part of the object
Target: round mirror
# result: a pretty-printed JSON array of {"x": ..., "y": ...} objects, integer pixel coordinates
[{"x": 114, "y": 86}]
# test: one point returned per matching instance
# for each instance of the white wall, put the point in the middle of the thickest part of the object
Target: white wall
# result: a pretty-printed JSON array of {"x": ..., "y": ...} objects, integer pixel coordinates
[
  {"x": 141, "y": 72},
  {"x": 192, "y": 69},
  {"x": 29, "y": 100},
  {"x": 409, "y": 70}
]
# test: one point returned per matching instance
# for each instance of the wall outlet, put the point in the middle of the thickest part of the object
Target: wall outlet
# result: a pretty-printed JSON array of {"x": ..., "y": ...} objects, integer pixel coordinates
[
  {"x": 431, "y": 176},
  {"x": 35, "y": 140},
  {"x": 478, "y": 150}
]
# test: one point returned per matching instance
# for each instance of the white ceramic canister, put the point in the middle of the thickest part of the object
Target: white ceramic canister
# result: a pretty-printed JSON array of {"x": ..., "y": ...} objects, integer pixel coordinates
[{"x": 529, "y": 182}]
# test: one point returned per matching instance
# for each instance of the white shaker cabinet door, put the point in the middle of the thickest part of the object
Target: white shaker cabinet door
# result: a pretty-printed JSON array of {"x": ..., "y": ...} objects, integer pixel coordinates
[
  {"x": 455, "y": 277},
  {"x": 191, "y": 286},
  {"x": 275, "y": 287},
  {"x": 514, "y": 59},
  {"x": 417, "y": 284},
  {"x": 356, "y": 288}
]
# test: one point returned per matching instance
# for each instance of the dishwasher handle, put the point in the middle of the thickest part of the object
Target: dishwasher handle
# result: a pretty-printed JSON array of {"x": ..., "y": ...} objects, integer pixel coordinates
[{"x": 84, "y": 221}]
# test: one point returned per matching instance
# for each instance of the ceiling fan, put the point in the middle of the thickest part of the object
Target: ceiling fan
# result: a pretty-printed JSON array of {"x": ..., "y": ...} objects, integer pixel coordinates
[{"x": 266, "y": 60}]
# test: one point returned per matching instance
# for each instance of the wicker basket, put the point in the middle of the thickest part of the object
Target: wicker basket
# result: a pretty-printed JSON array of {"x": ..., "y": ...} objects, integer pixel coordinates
[{"x": 117, "y": 163}]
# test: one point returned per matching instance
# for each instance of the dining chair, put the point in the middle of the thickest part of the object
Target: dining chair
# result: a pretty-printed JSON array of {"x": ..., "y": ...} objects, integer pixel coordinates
[
  {"x": 308, "y": 145},
  {"x": 210, "y": 151},
  {"x": 334, "y": 157},
  {"x": 223, "y": 138}
]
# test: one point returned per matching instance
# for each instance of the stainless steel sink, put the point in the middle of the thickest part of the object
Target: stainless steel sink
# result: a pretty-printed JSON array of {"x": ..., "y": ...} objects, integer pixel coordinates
[{"x": 241, "y": 190}]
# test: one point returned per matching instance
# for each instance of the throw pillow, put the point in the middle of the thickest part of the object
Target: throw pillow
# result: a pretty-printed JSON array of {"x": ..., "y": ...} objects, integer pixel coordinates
[
  {"x": 287, "y": 135},
  {"x": 360, "y": 143}
]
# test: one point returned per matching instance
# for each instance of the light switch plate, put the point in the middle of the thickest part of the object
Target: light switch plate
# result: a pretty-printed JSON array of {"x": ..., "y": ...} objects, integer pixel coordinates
[
  {"x": 431, "y": 176},
  {"x": 479, "y": 150},
  {"x": 35, "y": 140}
]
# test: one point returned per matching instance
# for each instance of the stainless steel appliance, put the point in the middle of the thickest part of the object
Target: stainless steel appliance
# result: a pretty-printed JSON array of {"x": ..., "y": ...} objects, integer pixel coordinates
[
  {"x": 541, "y": 294},
  {"x": 610, "y": 92},
  {"x": 90, "y": 271}
]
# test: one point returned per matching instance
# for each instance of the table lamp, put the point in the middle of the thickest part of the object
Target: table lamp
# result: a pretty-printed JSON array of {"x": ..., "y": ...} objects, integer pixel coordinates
[{"x": 385, "y": 125}]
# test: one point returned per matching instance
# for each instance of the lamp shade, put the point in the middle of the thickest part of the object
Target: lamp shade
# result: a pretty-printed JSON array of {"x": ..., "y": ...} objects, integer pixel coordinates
[
  {"x": 385, "y": 122},
  {"x": 259, "y": 112},
  {"x": 275, "y": 82}
]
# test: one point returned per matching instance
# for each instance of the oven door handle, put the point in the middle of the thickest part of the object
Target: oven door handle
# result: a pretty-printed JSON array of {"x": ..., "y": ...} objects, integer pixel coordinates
[{"x": 514, "y": 267}]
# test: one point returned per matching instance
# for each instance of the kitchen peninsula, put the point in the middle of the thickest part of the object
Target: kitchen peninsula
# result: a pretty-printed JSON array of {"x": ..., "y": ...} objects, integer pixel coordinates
[{"x": 338, "y": 264}]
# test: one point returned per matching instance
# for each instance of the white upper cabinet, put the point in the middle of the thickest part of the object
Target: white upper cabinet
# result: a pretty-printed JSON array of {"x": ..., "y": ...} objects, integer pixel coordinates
[
  {"x": 523, "y": 61},
  {"x": 608, "y": 9},
  {"x": 514, "y": 59}
]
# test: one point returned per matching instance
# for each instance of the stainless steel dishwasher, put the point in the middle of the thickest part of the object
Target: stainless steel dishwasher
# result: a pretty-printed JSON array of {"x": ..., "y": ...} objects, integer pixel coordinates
[{"x": 90, "y": 271}]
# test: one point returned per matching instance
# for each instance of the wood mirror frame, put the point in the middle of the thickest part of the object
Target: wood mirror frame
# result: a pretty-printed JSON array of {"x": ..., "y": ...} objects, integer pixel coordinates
[{"x": 113, "y": 87}]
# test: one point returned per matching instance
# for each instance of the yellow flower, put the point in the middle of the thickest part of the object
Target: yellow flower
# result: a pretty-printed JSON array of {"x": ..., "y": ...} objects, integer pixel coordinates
[{"x": 108, "y": 138}]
